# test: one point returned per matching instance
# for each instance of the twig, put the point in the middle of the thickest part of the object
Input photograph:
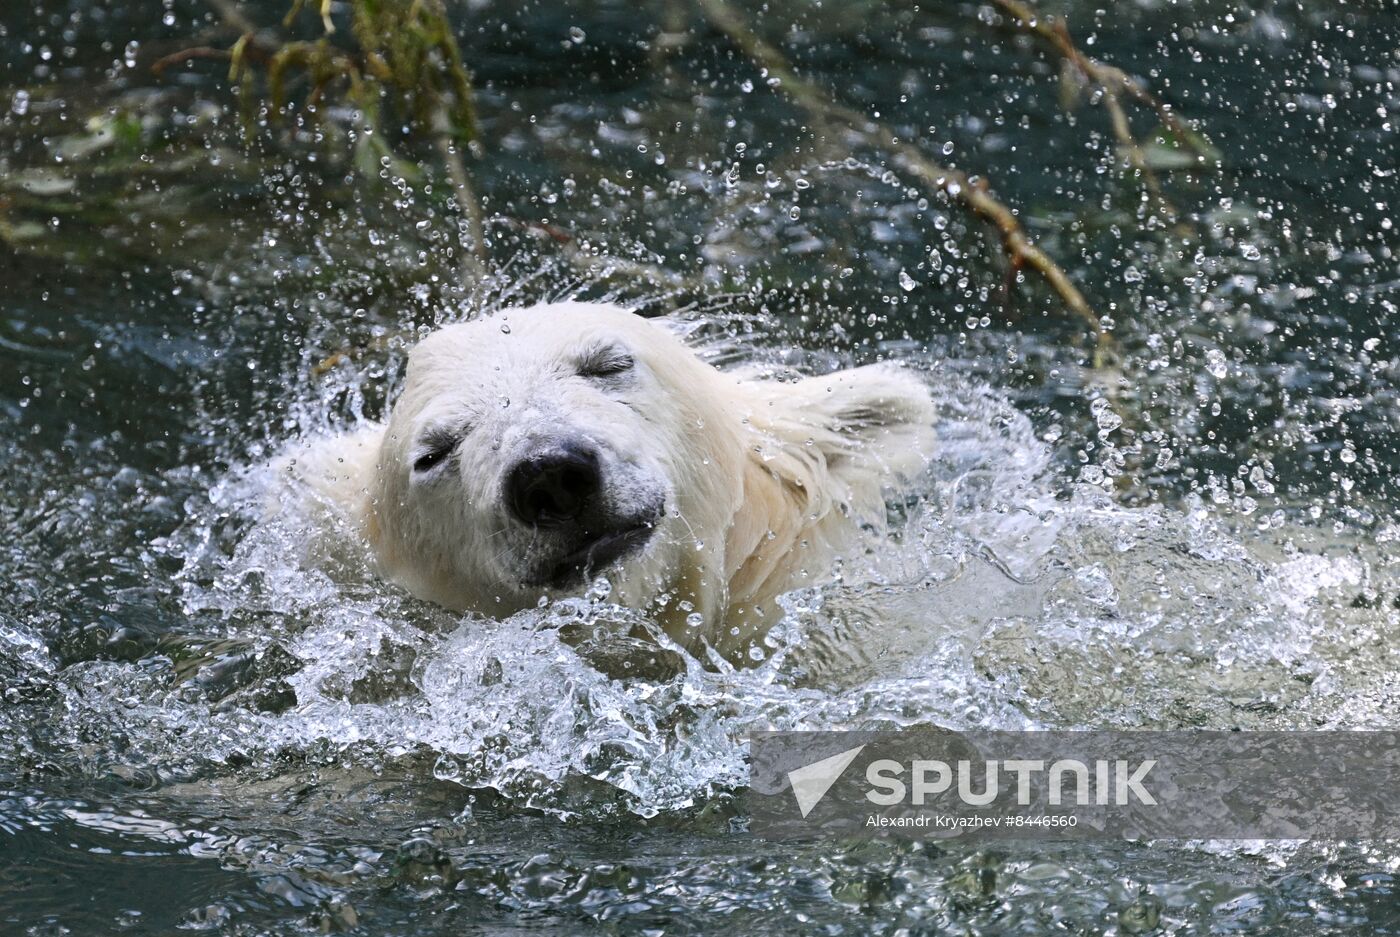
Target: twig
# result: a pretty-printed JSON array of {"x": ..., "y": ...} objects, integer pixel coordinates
[
  {"x": 1123, "y": 130},
  {"x": 444, "y": 134},
  {"x": 555, "y": 233},
  {"x": 159, "y": 66},
  {"x": 672, "y": 37},
  {"x": 231, "y": 14},
  {"x": 474, "y": 261},
  {"x": 1110, "y": 79},
  {"x": 970, "y": 191}
]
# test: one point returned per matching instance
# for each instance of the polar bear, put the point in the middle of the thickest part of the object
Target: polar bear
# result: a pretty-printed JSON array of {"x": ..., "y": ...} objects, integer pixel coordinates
[{"x": 537, "y": 448}]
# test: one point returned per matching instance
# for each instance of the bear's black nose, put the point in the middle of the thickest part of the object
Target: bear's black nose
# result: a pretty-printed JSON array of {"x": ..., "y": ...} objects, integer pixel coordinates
[{"x": 552, "y": 486}]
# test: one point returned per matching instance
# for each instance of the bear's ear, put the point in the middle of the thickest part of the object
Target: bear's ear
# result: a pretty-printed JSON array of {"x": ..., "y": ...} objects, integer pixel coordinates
[{"x": 870, "y": 425}]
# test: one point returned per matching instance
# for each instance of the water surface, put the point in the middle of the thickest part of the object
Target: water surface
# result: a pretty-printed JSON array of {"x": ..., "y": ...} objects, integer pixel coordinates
[{"x": 197, "y": 733}]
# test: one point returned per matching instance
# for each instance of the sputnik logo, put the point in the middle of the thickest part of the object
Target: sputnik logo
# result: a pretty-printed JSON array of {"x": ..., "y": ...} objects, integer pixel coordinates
[{"x": 811, "y": 782}]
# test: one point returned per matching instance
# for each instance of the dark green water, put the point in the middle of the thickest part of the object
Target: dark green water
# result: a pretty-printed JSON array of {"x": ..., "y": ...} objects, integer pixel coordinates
[{"x": 196, "y": 734}]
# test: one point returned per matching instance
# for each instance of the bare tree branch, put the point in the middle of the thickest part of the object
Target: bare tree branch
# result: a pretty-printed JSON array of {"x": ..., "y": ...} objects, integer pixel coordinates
[
  {"x": 1113, "y": 82},
  {"x": 971, "y": 192}
]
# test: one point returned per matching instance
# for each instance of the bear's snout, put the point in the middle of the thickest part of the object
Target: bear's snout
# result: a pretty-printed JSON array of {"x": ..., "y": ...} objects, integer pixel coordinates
[
  {"x": 581, "y": 509},
  {"x": 551, "y": 487}
]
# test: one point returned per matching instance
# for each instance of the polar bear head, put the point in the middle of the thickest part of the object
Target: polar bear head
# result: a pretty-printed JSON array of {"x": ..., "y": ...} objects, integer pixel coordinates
[{"x": 537, "y": 448}]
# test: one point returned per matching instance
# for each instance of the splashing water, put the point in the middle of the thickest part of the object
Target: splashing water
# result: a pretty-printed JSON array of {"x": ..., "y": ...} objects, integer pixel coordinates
[{"x": 1010, "y": 600}]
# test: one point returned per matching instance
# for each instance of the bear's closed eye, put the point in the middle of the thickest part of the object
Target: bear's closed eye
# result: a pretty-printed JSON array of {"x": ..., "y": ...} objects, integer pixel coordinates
[
  {"x": 604, "y": 361},
  {"x": 435, "y": 450}
]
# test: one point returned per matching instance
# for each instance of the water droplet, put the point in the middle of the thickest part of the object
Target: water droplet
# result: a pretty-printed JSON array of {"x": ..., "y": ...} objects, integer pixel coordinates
[
  {"x": 446, "y": 768},
  {"x": 1103, "y": 415}
]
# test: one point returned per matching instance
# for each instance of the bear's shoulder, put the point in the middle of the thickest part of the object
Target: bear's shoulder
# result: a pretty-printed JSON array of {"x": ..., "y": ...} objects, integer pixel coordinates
[{"x": 323, "y": 486}]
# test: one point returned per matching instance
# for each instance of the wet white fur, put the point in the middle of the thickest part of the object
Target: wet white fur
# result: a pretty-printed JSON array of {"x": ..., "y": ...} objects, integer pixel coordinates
[{"x": 765, "y": 482}]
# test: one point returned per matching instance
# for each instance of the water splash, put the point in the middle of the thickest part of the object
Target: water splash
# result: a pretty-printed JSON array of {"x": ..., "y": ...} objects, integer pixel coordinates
[{"x": 1009, "y": 597}]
